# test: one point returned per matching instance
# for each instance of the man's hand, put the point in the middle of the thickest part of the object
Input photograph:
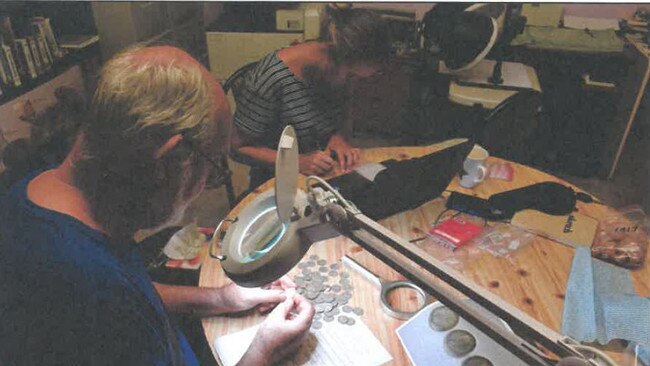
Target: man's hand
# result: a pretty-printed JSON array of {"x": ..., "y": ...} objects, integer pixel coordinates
[
  {"x": 315, "y": 163},
  {"x": 237, "y": 298},
  {"x": 346, "y": 154},
  {"x": 281, "y": 332}
]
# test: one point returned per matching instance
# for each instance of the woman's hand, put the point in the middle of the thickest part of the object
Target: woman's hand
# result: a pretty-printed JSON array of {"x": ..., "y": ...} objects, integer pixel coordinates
[
  {"x": 346, "y": 154},
  {"x": 237, "y": 298},
  {"x": 315, "y": 163},
  {"x": 281, "y": 333}
]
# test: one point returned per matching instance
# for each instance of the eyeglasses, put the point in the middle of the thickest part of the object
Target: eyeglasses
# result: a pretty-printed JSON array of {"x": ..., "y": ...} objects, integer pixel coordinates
[{"x": 220, "y": 171}]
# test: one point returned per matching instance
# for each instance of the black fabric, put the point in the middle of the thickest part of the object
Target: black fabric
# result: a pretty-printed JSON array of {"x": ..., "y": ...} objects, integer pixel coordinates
[
  {"x": 548, "y": 197},
  {"x": 403, "y": 185}
]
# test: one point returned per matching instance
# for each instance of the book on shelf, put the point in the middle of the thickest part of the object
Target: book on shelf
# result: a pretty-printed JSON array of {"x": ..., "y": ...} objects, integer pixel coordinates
[
  {"x": 43, "y": 27},
  {"x": 13, "y": 69},
  {"x": 35, "y": 54},
  {"x": 44, "y": 52},
  {"x": 5, "y": 74},
  {"x": 25, "y": 55},
  {"x": 77, "y": 41}
]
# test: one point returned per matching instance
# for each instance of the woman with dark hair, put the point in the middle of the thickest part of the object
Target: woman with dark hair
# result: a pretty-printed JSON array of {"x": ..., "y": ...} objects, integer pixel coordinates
[{"x": 304, "y": 86}]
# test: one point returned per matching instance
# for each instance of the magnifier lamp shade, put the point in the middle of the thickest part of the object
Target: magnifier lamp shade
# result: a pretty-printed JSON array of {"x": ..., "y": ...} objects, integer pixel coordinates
[{"x": 468, "y": 39}]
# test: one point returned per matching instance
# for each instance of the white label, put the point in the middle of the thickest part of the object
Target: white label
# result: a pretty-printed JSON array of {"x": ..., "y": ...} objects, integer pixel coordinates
[{"x": 286, "y": 142}]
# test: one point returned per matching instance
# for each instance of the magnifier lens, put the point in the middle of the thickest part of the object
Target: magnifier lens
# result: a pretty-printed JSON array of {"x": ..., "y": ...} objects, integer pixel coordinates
[
  {"x": 261, "y": 235},
  {"x": 405, "y": 299}
]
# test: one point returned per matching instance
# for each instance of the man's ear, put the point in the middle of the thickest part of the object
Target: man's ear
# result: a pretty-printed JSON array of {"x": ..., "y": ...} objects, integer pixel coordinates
[{"x": 168, "y": 145}]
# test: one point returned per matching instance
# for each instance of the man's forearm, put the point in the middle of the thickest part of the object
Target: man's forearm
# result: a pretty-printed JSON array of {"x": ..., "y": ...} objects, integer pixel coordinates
[{"x": 198, "y": 301}]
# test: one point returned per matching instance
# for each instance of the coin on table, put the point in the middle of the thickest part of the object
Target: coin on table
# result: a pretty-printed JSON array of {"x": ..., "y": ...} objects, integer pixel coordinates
[
  {"x": 323, "y": 269},
  {"x": 321, "y": 262},
  {"x": 317, "y": 316},
  {"x": 334, "y": 266},
  {"x": 459, "y": 342},
  {"x": 328, "y": 318},
  {"x": 336, "y": 288},
  {"x": 343, "y": 319},
  {"x": 313, "y": 257},
  {"x": 358, "y": 311},
  {"x": 350, "y": 321},
  {"x": 317, "y": 324},
  {"x": 477, "y": 361},
  {"x": 345, "y": 274},
  {"x": 442, "y": 319},
  {"x": 347, "y": 308},
  {"x": 311, "y": 263},
  {"x": 333, "y": 273}
]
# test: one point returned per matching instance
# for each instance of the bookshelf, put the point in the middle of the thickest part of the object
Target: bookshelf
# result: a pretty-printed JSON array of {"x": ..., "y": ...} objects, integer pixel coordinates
[{"x": 30, "y": 51}]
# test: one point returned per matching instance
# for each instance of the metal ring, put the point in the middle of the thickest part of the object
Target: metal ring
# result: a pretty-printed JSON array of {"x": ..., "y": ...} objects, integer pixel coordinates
[
  {"x": 390, "y": 286},
  {"x": 215, "y": 239}
]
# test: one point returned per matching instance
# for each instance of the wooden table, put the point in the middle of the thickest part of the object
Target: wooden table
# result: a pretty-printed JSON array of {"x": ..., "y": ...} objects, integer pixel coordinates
[{"x": 534, "y": 280}]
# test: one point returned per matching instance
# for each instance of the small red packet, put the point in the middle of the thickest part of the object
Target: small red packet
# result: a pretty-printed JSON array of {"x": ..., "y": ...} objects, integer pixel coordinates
[
  {"x": 455, "y": 231},
  {"x": 501, "y": 171}
]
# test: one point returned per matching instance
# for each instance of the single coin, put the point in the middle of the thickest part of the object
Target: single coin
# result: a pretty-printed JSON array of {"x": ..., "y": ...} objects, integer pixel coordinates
[
  {"x": 442, "y": 319},
  {"x": 311, "y": 263},
  {"x": 317, "y": 324},
  {"x": 345, "y": 274},
  {"x": 333, "y": 273},
  {"x": 477, "y": 361},
  {"x": 459, "y": 342},
  {"x": 343, "y": 319},
  {"x": 347, "y": 308},
  {"x": 358, "y": 311},
  {"x": 321, "y": 262},
  {"x": 336, "y": 288},
  {"x": 328, "y": 318},
  {"x": 335, "y": 311},
  {"x": 334, "y": 266},
  {"x": 350, "y": 321},
  {"x": 313, "y": 257},
  {"x": 317, "y": 316},
  {"x": 323, "y": 269}
]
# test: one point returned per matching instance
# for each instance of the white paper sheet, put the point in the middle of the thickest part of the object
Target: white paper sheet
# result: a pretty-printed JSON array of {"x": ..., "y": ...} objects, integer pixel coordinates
[
  {"x": 334, "y": 344},
  {"x": 370, "y": 170},
  {"x": 575, "y": 22}
]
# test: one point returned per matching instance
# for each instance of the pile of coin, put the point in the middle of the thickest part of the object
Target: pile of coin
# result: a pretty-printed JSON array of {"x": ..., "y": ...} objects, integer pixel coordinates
[{"x": 328, "y": 287}]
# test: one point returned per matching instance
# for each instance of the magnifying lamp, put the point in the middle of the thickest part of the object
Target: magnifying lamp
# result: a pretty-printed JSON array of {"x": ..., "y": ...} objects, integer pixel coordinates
[{"x": 265, "y": 240}]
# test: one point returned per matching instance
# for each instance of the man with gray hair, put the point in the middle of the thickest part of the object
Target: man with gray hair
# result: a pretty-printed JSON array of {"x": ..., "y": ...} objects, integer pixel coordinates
[{"x": 73, "y": 289}]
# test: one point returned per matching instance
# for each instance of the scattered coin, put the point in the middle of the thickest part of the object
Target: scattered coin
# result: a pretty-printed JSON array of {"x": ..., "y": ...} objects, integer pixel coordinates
[
  {"x": 351, "y": 321},
  {"x": 328, "y": 318},
  {"x": 477, "y": 361},
  {"x": 442, "y": 319},
  {"x": 358, "y": 311},
  {"x": 322, "y": 262},
  {"x": 459, "y": 342},
  {"x": 345, "y": 274},
  {"x": 333, "y": 273},
  {"x": 317, "y": 316},
  {"x": 323, "y": 269},
  {"x": 311, "y": 263},
  {"x": 313, "y": 257},
  {"x": 347, "y": 308},
  {"x": 343, "y": 319},
  {"x": 317, "y": 324},
  {"x": 336, "y": 288},
  {"x": 334, "y": 266}
]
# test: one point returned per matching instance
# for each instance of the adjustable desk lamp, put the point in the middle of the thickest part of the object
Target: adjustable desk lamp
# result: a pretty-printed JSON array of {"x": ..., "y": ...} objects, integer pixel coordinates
[
  {"x": 272, "y": 234},
  {"x": 472, "y": 34}
]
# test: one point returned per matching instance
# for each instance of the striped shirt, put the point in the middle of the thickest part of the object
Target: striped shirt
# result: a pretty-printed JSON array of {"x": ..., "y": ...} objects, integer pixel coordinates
[{"x": 272, "y": 97}]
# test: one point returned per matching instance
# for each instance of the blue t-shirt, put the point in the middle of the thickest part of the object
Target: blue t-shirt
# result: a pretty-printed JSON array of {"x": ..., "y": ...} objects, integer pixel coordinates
[{"x": 69, "y": 297}]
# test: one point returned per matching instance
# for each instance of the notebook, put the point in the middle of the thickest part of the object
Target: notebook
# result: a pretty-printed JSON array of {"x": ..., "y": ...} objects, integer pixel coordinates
[{"x": 402, "y": 185}]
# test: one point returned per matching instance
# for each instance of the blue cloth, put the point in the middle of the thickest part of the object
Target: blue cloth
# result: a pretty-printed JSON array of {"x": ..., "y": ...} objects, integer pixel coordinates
[
  {"x": 69, "y": 297},
  {"x": 601, "y": 303}
]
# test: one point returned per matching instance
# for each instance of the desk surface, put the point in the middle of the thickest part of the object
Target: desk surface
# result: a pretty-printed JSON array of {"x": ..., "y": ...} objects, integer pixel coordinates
[{"x": 534, "y": 280}]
